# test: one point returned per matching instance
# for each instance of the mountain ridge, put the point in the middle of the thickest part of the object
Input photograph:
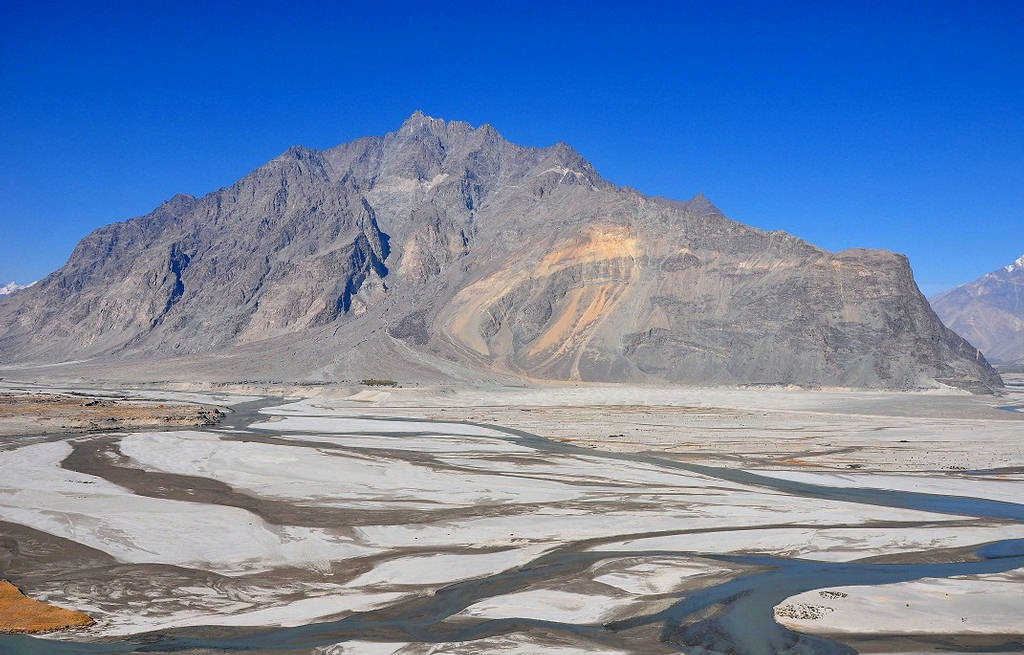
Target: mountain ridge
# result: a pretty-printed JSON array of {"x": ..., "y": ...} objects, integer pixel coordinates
[
  {"x": 990, "y": 311},
  {"x": 444, "y": 242}
]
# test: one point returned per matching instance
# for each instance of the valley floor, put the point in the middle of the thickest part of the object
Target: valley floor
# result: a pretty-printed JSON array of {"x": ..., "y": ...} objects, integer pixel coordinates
[{"x": 590, "y": 519}]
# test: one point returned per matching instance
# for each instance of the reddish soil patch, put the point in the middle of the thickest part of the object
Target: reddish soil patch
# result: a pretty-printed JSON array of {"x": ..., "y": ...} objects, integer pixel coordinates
[{"x": 18, "y": 613}]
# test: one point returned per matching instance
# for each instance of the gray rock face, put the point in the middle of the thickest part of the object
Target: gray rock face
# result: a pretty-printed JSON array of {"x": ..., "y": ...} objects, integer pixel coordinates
[
  {"x": 444, "y": 250},
  {"x": 989, "y": 312}
]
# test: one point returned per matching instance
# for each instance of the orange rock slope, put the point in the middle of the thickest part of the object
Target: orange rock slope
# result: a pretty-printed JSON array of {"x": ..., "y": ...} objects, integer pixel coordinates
[{"x": 19, "y": 613}]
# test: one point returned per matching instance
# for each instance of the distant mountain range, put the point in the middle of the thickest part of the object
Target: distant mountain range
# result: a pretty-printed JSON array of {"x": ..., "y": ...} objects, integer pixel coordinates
[
  {"x": 989, "y": 312},
  {"x": 11, "y": 287},
  {"x": 442, "y": 251}
]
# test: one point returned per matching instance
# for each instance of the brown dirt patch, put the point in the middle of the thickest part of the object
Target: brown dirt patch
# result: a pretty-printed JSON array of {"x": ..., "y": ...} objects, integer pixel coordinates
[{"x": 18, "y": 613}]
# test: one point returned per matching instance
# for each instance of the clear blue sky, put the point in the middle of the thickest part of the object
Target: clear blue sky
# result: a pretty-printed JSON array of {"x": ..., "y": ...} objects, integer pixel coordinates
[{"x": 886, "y": 125}]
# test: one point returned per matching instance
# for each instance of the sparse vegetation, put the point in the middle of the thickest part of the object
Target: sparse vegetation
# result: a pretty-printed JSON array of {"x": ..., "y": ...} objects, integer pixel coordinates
[{"x": 374, "y": 382}]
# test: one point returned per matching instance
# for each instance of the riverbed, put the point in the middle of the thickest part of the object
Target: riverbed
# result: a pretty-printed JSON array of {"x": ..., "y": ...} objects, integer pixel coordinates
[{"x": 375, "y": 522}]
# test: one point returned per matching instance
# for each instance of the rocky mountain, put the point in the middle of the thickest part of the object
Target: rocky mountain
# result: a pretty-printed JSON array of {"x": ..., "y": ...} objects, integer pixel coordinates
[
  {"x": 442, "y": 250},
  {"x": 989, "y": 312}
]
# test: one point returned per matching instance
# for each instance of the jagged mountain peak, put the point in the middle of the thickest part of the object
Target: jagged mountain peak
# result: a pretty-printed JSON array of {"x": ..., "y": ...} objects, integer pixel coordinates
[
  {"x": 176, "y": 204},
  {"x": 420, "y": 125},
  {"x": 299, "y": 152},
  {"x": 701, "y": 204},
  {"x": 425, "y": 148},
  {"x": 180, "y": 199},
  {"x": 419, "y": 120},
  {"x": 461, "y": 137},
  {"x": 417, "y": 116},
  {"x": 1017, "y": 265}
]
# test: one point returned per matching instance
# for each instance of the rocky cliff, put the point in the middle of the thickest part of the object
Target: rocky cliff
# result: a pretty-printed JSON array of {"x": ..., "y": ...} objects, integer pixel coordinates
[{"x": 443, "y": 249}]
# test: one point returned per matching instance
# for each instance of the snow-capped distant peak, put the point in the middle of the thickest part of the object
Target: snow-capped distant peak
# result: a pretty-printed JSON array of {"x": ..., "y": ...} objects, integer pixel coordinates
[
  {"x": 12, "y": 287},
  {"x": 1015, "y": 266}
]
